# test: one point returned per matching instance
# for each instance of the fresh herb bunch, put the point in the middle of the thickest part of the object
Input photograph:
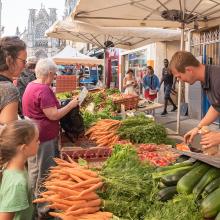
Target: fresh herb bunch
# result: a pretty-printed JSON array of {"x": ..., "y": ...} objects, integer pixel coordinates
[
  {"x": 128, "y": 184},
  {"x": 182, "y": 207},
  {"x": 112, "y": 91},
  {"x": 140, "y": 129}
]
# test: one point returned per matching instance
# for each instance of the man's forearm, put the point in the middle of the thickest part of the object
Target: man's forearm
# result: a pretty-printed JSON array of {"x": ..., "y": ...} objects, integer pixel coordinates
[{"x": 209, "y": 118}]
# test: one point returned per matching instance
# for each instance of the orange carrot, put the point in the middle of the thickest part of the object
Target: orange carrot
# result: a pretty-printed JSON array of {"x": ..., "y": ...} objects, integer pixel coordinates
[
  {"x": 58, "y": 206},
  {"x": 86, "y": 182},
  {"x": 40, "y": 200},
  {"x": 84, "y": 211},
  {"x": 76, "y": 178},
  {"x": 92, "y": 188},
  {"x": 62, "y": 190}
]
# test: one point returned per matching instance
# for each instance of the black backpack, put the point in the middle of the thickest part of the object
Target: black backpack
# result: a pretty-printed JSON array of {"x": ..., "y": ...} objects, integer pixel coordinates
[{"x": 72, "y": 123}]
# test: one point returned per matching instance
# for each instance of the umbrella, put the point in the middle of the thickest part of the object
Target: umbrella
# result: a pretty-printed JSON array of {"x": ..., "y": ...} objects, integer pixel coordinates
[
  {"x": 150, "y": 13},
  {"x": 104, "y": 37}
]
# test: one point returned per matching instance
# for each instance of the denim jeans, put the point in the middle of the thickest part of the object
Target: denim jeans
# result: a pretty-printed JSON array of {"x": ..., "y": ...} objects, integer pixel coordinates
[{"x": 38, "y": 167}]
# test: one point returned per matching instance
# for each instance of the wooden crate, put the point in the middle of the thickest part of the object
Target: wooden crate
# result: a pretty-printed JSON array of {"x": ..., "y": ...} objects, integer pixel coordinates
[{"x": 66, "y": 83}]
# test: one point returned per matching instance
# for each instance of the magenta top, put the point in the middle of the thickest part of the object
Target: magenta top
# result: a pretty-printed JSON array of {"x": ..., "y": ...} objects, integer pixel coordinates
[{"x": 36, "y": 98}]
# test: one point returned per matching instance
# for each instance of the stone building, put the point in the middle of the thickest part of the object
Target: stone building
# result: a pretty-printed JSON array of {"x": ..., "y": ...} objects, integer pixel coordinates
[{"x": 37, "y": 43}]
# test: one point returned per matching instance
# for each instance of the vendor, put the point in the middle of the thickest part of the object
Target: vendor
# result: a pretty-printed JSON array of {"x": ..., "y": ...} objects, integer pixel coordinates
[
  {"x": 188, "y": 69},
  {"x": 151, "y": 84},
  {"x": 129, "y": 83}
]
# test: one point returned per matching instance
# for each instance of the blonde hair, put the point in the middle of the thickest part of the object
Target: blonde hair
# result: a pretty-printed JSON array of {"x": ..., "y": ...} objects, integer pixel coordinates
[{"x": 12, "y": 136}]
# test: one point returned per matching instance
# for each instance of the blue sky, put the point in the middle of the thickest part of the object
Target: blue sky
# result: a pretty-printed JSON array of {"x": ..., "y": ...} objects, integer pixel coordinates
[{"x": 15, "y": 12}]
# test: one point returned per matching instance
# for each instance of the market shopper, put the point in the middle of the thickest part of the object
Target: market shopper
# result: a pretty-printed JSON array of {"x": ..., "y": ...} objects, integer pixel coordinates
[
  {"x": 188, "y": 69},
  {"x": 40, "y": 104},
  {"x": 167, "y": 79},
  {"x": 19, "y": 140},
  {"x": 27, "y": 76},
  {"x": 151, "y": 84},
  {"x": 129, "y": 83},
  {"x": 12, "y": 61}
]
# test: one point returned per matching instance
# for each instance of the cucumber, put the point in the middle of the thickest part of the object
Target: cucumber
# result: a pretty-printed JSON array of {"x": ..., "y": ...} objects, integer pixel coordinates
[
  {"x": 209, "y": 176},
  {"x": 170, "y": 172},
  {"x": 167, "y": 193},
  {"x": 186, "y": 184},
  {"x": 161, "y": 185},
  {"x": 211, "y": 187},
  {"x": 177, "y": 165},
  {"x": 210, "y": 206},
  {"x": 172, "y": 179},
  {"x": 218, "y": 216}
]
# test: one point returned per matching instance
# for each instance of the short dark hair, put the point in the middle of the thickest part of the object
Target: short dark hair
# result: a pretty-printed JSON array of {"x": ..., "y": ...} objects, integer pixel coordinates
[
  {"x": 181, "y": 59},
  {"x": 10, "y": 46},
  {"x": 130, "y": 71}
]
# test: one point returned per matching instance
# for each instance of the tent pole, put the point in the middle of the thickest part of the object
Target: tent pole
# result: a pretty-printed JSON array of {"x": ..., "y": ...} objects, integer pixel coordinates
[
  {"x": 104, "y": 69},
  {"x": 180, "y": 83}
]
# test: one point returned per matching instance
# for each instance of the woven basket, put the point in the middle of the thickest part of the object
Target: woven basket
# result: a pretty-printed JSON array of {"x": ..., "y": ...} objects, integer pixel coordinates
[{"x": 129, "y": 103}]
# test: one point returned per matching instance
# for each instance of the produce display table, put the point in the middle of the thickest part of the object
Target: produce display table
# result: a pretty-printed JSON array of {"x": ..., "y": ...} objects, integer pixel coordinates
[{"x": 151, "y": 107}]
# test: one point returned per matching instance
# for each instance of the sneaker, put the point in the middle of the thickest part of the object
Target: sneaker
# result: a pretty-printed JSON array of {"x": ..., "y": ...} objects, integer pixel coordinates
[
  {"x": 174, "y": 109},
  {"x": 163, "y": 113}
]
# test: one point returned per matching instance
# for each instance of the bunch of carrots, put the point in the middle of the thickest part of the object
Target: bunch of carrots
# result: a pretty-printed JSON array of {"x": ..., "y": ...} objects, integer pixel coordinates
[
  {"x": 71, "y": 191},
  {"x": 104, "y": 132}
]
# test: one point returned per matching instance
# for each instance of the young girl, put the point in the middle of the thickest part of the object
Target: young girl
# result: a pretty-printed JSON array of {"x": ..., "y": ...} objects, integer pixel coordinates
[{"x": 18, "y": 141}]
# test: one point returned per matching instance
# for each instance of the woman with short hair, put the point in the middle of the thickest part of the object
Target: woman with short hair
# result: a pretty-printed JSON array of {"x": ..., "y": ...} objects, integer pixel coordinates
[
  {"x": 40, "y": 104},
  {"x": 13, "y": 56}
]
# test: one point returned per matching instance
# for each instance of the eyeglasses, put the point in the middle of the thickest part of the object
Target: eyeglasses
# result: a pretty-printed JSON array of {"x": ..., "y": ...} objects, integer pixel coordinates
[{"x": 24, "y": 61}]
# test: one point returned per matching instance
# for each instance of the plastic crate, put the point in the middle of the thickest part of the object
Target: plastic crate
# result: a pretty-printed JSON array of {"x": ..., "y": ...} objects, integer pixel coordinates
[
  {"x": 66, "y": 83},
  {"x": 93, "y": 154}
]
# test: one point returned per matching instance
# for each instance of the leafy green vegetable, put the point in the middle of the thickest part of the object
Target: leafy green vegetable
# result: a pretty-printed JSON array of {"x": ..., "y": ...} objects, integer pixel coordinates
[
  {"x": 140, "y": 129},
  {"x": 128, "y": 184},
  {"x": 182, "y": 207},
  {"x": 112, "y": 91}
]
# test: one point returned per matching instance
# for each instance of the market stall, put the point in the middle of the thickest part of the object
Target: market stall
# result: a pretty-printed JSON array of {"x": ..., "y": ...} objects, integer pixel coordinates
[{"x": 138, "y": 172}]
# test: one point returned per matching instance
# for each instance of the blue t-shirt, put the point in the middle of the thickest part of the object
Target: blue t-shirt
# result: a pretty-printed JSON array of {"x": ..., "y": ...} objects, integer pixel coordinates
[{"x": 15, "y": 195}]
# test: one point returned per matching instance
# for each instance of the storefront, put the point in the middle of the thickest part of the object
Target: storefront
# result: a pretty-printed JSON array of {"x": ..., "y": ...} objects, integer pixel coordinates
[{"x": 205, "y": 45}]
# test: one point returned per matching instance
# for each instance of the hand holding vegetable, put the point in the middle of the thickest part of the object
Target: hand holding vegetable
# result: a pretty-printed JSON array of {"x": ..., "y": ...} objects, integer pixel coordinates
[{"x": 189, "y": 136}]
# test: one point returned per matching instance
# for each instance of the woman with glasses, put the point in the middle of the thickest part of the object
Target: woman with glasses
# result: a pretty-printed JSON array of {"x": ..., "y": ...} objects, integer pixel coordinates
[
  {"x": 40, "y": 104},
  {"x": 13, "y": 56}
]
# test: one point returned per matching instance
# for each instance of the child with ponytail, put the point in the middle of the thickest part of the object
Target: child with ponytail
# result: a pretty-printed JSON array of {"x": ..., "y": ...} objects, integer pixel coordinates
[{"x": 18, "y": 141}]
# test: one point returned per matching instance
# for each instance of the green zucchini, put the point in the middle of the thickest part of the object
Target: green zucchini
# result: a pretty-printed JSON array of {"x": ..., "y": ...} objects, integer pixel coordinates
[
  {"x": 209, "y": 176},
  {"x": 177, "y": 165},
  {"x": 161, "y": 185},
  {"x": 218, "y": 216},
  {"x": 170, "y": 172},
  {"x": 172, "y": 179},
  {"x": 167, "y": 193},
  {"x": 186, "y": 184},
  {"x": 210, "y": 206},
  {"x": 211, "y": 187}
]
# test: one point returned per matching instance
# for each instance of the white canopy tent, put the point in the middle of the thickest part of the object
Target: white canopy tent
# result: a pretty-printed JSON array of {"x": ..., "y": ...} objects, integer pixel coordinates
[
  {"x": 151, "y": 13},
  {"x": 70, "y": 56},
  {"x": 125, "y": 38}
]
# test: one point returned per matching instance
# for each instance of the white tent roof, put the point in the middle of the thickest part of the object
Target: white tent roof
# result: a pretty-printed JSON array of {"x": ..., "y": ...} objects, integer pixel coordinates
[
  {"x": 69, "y": 56},
  {"x": 140, "y": 13},
  {"x": 126, "y": 38}
]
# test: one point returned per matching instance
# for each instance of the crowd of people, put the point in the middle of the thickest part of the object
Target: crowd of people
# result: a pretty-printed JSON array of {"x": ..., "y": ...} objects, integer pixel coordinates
[
  {"x": 147, "y": 84},
  {"x": 27, "y": 146}
]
